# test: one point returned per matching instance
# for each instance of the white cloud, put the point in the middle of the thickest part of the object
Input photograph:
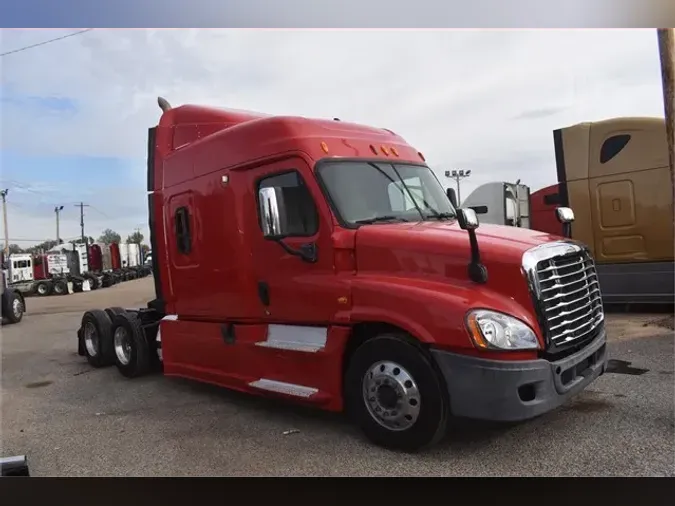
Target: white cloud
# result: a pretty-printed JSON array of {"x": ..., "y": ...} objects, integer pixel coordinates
[{"x": 473, "y": 99}]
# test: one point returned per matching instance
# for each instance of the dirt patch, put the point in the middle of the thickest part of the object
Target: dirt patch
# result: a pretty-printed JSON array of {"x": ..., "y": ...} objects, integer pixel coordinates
[
  {"x": 634, "y": 326},
  {"x": 666, "y": 322}
]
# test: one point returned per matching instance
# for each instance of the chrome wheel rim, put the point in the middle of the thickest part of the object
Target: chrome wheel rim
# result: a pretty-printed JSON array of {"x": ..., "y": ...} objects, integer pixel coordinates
[
  {"x": 91, "y": 339},
  {"x": 122, "y": 345},
  {"x": 42, "y": 289},
  {"x": 17, "y": 308},
  {"x": 391, "y": 396}
]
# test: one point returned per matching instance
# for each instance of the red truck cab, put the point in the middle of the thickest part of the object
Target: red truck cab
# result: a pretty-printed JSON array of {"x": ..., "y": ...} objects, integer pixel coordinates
[
  {"x": 543, "y": 204},
  {"x": 322, "y": 261}
]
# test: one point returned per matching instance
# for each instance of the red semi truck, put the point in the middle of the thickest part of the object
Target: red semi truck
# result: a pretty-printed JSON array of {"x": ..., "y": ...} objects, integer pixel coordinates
[{"x": 293, "y": 260}]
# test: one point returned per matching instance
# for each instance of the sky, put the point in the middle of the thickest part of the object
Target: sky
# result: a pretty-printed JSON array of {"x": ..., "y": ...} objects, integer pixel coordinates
[{"x": 74, "y": 114}]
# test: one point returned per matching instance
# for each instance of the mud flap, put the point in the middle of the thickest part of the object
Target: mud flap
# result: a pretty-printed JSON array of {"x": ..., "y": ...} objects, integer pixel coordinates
[
  {"x": 70, "y": 287},
  {"x": 86, "y": 286}
]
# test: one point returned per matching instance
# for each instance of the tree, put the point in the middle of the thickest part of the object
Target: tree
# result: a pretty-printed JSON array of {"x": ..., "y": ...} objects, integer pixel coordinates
[
  {"x": 89, "y": 240},
  {"x": 14, "y": 248},
  {"x": 136, "y": 237},
  {"x": 43, "y": 246},
  {"x": 109, "y": 236},
  {"x": 145, "y": 249}
]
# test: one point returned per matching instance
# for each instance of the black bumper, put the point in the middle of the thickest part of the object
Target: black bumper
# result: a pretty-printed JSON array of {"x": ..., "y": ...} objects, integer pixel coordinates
[{"x": 513, "y": 391}]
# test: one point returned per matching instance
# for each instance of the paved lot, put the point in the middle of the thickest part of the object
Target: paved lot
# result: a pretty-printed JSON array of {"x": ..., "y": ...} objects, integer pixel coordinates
[{"x": 72, "y": 420}]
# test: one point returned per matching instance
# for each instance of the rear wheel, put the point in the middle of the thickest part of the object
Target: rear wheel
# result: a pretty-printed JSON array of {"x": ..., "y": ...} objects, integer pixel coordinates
[
  {"x": 43, "y": 288},
  {"x": 60, "y": 288},
  {"x": 96, "y": 338},
  {"x": 114, "y": 311},
  {"x": 132, "y": 353},
  {"x": 394, "y": 394}
]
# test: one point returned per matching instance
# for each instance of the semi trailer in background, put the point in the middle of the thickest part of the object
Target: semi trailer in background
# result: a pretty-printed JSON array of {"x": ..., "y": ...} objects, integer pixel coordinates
[{"x": 615, "y": 175}]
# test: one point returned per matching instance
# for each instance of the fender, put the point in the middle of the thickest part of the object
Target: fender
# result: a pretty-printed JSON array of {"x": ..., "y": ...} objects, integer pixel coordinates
[{"x": 431, "y": 311}]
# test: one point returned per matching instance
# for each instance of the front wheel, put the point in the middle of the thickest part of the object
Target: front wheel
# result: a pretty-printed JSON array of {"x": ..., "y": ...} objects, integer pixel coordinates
[
  {"x": 13, "y": 306},
  {"x": 394, "y": 394}
]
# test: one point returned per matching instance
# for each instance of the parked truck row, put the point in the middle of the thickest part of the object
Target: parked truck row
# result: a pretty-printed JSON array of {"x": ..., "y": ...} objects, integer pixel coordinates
[
  {"x": 615, "y": 175},
  {"x": 84, "y": 268},
  {"x": 321, "y": 261}
]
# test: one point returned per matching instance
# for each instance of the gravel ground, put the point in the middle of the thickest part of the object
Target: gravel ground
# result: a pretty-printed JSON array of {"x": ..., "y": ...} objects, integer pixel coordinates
[{"x": 72, "y": 420}]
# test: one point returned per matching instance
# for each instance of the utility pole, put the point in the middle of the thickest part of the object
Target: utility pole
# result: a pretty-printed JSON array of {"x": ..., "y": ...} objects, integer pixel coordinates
[
  {"x": 666, "y": 38},
  {"x": 458, "y": 175},
  {"x": 82, "y": 205},
  {"x": 57, "y": 210},
  {"x": 3, "y": 193}
]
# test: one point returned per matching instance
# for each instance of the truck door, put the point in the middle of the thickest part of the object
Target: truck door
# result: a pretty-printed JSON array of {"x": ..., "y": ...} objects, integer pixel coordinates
[{"x": 291, "y": 289}]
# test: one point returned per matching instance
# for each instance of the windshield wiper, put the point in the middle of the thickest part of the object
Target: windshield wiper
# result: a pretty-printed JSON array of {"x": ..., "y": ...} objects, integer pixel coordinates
[
  {"x": 378, "y": 219},
  {"x": 442, "y": 216}
]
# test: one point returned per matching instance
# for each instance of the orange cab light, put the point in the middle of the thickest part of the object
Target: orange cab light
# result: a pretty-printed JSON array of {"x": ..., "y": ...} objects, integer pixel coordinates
[
  {"x": 324, "y": 146},
  {"x": 384, "y": 150},
  {"x": 421, "y": 156},
  {"x": 373, "y": 149},
  {"x": 393, "y": 151}
]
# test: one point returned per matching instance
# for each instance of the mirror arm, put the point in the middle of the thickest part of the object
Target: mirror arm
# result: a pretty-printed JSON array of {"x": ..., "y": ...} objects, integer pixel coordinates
[
  {"x": 307, "y": 252},
  {"x": 477, "y": 271}
]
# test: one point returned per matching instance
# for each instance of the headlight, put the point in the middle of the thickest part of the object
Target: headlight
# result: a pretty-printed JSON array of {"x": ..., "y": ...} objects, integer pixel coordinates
[{"x": 493, "y": 330}]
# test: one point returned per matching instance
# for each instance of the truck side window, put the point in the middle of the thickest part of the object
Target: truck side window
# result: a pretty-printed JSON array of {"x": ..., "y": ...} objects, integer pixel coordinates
[
  {"x": 552, "y": 199},
  {"x": 182, "y": 223},
  {"x": 613, "y": 146},
  {"x": 301, "y": 213}
]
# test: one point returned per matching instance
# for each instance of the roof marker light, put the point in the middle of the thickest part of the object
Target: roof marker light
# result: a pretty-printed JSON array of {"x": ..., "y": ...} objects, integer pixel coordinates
[
  {"x": 384, "y": 150},
  {"x": 324, "y": 147},
  {"x": 394, "y": 151},
  {"x": 421, "y": 156},
  {"x": 373, "y": 149}
]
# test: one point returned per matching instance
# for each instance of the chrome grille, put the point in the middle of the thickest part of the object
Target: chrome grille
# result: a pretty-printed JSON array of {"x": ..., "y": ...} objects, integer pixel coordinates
[{"x": 565, "y": 286}]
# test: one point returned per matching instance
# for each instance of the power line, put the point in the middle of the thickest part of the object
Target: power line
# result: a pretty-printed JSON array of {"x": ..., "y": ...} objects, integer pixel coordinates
[
  {"x": 18, "y": 50},
  {"x": 98, "y": 211}
]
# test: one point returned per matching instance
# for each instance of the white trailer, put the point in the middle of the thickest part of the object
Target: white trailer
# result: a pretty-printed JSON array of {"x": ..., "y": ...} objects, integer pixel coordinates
[
  {"x": 130, "y": 254},
  {"x": 501, "y": 203}
]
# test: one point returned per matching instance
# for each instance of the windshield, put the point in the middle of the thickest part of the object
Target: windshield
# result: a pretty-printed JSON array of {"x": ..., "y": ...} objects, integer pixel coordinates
[{"x": 368, "y": 192}]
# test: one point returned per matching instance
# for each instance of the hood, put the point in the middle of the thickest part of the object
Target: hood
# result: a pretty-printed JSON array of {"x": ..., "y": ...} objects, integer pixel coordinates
[{"x": 441, "y": 251}]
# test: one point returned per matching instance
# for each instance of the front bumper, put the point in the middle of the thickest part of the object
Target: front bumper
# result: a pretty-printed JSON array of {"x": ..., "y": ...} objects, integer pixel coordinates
[{"x": 513, "y": 391}]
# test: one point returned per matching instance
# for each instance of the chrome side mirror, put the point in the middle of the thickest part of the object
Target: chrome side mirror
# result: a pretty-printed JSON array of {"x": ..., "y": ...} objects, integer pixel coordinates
[
  {"x": 467, "y": 218},
  {"x": 272, "y": 212},
  {"x": 564, "y": 214}
]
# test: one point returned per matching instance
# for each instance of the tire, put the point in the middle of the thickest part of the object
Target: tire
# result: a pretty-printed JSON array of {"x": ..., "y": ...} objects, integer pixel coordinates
[
  {"x": 43, "y": 288},
  {"x": 13, "y": 306},
  {"x": 60, "y": 288},
  {"x": 97, "y": 338},
  {"x": 93, "y": 282},
  {"x": 394, "y": 360},
  {"x": 131, "y": 349},
  {"x": 114, "y": 311}
]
